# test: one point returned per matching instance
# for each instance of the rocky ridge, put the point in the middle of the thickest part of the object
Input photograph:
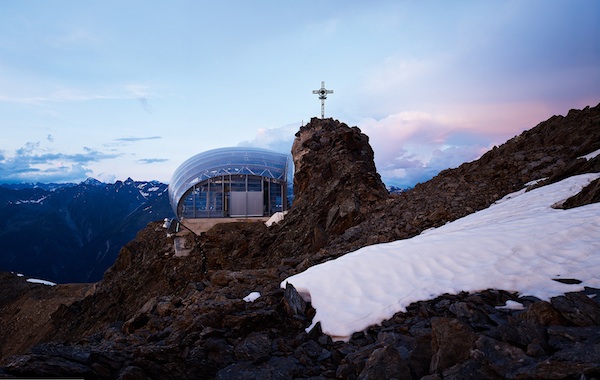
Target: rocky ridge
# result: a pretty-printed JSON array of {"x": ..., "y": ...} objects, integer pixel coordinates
[{"x": 155, "y": 315}]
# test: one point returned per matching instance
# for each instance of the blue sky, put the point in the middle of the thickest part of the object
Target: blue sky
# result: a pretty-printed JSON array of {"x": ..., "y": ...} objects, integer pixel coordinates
[{"x": 117, "y": 89}]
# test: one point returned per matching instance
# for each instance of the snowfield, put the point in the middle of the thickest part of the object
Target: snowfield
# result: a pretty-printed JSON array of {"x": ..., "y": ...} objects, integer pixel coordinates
[{"x": 519, "y": 244}]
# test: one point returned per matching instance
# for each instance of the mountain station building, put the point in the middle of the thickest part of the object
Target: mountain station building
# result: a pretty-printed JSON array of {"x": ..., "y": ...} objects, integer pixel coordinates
[{"x": 238, "y": 182}]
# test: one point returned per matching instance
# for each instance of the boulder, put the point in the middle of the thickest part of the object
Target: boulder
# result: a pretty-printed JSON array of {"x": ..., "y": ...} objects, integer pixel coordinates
[{"x": 451, "y": 343}]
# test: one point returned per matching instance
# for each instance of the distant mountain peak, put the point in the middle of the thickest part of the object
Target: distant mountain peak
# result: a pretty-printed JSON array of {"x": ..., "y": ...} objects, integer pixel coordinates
[{"x": 91, "y": 182}]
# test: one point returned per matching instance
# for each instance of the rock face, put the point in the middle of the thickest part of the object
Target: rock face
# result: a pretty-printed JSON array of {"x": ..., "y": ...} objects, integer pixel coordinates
[
  {"x": 338, "y": 192},
  {"x": 156, "y": 315},
  {"x": 336, "y": 187},
  {"x": 26, "y": 307}
]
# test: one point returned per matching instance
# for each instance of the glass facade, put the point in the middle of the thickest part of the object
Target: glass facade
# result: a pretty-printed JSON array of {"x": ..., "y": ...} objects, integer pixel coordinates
[{"x": 230, "y": 182}]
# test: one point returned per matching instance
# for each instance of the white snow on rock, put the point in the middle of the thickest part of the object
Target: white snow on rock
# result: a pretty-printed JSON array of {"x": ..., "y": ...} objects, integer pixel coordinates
[
  {"x": 511, "y": 305},
  {"x": 591, "y": 155},
  {"x": 275, "y": 218},
  {"x": 519, "y": 245},
  {"x": 252, "y": 297},
  {"x": 38, "y": 281}
]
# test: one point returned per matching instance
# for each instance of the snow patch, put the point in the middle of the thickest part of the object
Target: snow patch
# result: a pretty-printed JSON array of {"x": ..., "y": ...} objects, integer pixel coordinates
[
  {"x": 252, "y": 297},
  {"x": 38, "y": 281},
  {"x": 512, "y": 305},
  {"x": 520, "y": 192},
  {"x": 592, "y": 155},
  {"x": 36, "y": 201},
  {"x": 517, "y": 245},
  {"x": 276, "y": 218}
]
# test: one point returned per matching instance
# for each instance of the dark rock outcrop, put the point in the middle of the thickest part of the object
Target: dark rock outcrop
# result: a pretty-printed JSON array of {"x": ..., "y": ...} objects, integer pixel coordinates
[
  {"x": 336, "y": 187},
  {"x": 26, "y": 309},
  {"x": 156, "y": 315}
]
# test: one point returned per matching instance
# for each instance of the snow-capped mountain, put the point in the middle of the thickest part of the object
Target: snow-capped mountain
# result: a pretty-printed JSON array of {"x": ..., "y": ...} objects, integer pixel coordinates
[{"x": 73, "y": 232}]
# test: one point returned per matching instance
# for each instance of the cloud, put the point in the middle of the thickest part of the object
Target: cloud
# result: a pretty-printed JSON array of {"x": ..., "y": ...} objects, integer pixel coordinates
[
  {"x": 43, "y": 93},
  {"x": 141, "y": 93},
  {"x": 397, "y": 72},
  {"x": 56, "y": 95},
  {"x": 30, "y": 163},
  {"x": 145, "y": 104},
  {"x": 279, "y": 139},
  {"x": 408, "y": 169},
  {"x": 136, "y": 139},
  {"x": 412, "y": 147},
  {"x": 152, "y": 160}
]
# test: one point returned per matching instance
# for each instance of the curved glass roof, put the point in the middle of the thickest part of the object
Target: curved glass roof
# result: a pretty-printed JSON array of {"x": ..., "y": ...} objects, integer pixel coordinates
[{"x": 224, "y": 161}]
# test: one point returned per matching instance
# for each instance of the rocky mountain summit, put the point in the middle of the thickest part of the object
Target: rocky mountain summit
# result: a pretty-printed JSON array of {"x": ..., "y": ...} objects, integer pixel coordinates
[{"x": 155, "y": 315}]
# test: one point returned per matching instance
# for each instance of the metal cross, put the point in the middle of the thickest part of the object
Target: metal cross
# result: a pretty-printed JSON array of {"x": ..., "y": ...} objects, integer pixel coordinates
[{"x": 322, "y": 95}]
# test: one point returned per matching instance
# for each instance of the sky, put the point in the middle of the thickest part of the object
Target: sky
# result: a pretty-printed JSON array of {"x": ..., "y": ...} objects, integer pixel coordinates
[
  {"x": 520, "y": 244},
  {"x": 116, "y": 89}
]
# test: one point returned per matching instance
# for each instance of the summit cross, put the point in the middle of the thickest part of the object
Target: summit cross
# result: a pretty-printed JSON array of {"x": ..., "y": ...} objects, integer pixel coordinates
[{"x": 322, "y": 95}]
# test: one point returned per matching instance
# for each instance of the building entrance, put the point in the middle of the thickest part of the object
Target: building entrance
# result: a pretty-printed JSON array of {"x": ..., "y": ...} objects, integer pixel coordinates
[
  {"x": 233, "y": 196},
  {"x": 244, "y": 203}
]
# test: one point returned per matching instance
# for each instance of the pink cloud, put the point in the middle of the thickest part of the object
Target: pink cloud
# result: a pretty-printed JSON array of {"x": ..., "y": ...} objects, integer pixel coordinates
[{"x": 413, "y": 147}]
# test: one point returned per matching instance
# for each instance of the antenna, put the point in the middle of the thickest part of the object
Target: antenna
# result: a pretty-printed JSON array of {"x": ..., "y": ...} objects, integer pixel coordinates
[{"x": 322, "y": 95}]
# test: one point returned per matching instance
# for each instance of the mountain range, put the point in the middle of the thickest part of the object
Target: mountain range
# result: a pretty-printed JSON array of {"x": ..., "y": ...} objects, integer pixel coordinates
[{"x": 73, "y": 232}]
